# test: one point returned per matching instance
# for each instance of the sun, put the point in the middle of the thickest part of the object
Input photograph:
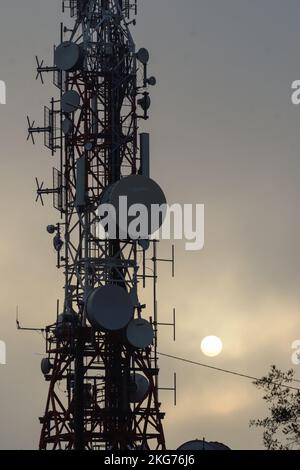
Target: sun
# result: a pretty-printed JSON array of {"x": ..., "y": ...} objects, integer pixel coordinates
[{"x": 211, "y": 346}]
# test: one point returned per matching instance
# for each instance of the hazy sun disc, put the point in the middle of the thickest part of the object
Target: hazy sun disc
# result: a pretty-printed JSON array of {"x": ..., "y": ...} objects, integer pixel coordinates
[{"x": 211, "y": 346}]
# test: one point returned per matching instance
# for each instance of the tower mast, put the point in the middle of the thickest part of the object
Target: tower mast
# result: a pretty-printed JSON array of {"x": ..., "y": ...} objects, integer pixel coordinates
[{"x": 101, "y": 363}]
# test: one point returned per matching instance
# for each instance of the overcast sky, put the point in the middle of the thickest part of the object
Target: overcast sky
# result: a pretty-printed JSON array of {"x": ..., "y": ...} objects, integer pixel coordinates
[{"x": 224, "y": 133}]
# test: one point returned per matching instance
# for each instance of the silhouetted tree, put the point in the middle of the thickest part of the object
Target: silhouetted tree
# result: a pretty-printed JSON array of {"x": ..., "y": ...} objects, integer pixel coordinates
[{"x": 281, "y": 429}]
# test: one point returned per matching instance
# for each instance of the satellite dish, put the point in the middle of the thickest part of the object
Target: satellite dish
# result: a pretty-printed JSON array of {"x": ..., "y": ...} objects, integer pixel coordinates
[
  {"x": 140, "y": 388},
  {"x": 109, "y": 308},
  {"x": 138, "y": 189},
  {"x": 51, "y": 229},
  {"x": 202, "y": 445},
  {"x": 70, "y": 101},
  {"x": 145, "y": 102},
  {"x": 88, "y": 146},
  {"x": 46, "y": 366},
  {"x": 140, "y": 333},
  {"x": 67, "y": 126},
  {"x": 151, "y": 81},
  {"x": 68, "y": 56},
  {"x": 57, "y": 243},
  {"x": 143, "y": 56}
]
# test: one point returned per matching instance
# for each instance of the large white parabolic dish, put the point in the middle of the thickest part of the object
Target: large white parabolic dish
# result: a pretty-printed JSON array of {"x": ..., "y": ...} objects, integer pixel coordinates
[
  {"x": 138, "y": 190},
  {"x": 109, "y": 308}
]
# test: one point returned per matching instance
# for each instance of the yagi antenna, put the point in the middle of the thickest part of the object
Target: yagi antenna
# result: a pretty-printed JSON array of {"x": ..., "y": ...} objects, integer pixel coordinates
[
  {"x": 41, "y": 191},
  {"x": 39, "y": 69},
  {"x": 35, "y": 130},
  {"x": 42, "y": 69},
  {"x": 30, "y": 127}
]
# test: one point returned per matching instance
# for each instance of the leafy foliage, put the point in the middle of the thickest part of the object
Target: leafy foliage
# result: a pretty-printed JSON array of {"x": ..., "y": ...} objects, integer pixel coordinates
[{"x": 281, "y": 429}]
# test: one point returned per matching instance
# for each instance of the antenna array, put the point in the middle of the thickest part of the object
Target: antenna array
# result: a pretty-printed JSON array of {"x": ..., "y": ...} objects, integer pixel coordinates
[{"x": 103, "y": 344}]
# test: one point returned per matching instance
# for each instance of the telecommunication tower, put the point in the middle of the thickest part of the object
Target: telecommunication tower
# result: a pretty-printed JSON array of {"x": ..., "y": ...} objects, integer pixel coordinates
[{"x": 102, "y": 361}]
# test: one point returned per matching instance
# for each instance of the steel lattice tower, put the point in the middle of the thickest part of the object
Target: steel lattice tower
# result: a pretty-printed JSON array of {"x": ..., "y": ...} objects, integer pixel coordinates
[{"x": 93, "y": 126}]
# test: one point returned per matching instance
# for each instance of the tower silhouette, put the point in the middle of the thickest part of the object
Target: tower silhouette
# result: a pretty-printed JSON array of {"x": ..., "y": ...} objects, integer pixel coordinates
[{"x": 101, "y": 363}]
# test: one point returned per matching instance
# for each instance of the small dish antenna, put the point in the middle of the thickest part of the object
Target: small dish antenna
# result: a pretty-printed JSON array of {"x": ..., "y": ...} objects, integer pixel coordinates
[
  {"x": 145, "y": 102},
  {"x": 68, "y": 56},
  {"x": 140, "y": 333},
  {"x": 67, "y": 126},
  {"x": 143, "y": 56},
  {"x": 140, "y": 388},
  {"x": 46, "y": 366},
  {"x": 70, "y": 101}
]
